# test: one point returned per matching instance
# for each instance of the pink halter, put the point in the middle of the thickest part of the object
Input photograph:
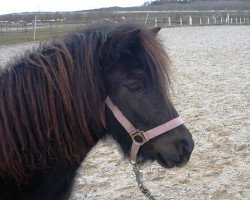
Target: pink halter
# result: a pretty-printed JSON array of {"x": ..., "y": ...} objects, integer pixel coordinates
[{"x": 140, "y": 137}]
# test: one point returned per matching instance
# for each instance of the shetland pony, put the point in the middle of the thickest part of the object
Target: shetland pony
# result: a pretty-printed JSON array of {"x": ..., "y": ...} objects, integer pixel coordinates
[{"x": 52, "y": 107}]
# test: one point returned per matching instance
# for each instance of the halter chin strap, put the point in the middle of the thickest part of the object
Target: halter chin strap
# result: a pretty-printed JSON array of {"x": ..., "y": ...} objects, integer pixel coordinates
[{"x": 140, "y": 137}]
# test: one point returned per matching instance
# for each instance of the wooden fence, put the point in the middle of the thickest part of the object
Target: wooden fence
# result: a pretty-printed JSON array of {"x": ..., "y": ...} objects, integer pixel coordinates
[
  {"x": 11, "y": 32},
  {"x": 168, "y": 20},
  {"x": 190, "y": 21}
]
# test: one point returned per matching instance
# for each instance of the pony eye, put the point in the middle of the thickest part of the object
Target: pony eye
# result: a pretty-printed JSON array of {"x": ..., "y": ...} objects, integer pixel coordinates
[{"x": 134, "y": 87}]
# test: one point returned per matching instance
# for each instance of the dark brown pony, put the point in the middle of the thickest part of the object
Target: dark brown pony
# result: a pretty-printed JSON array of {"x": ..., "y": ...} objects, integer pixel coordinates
[{"x": 52, "y": 109}]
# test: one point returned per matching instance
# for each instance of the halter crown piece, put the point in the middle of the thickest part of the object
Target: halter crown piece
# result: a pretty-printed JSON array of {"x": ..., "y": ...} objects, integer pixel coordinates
[{"x": 140, "y": 137}]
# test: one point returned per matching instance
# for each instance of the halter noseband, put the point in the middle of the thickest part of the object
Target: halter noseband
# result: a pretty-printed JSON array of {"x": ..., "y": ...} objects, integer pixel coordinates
[{"x": 140, "y": 137}]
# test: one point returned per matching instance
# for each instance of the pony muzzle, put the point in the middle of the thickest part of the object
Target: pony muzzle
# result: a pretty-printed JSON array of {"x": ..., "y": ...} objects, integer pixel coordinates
[{"x": 140, "y": 137}]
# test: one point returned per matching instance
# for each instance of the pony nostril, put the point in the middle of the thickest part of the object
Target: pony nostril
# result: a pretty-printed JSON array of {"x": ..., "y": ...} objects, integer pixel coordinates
[
  {"x": 185, "y": 142},
  {"x": 184, "y": 150}
]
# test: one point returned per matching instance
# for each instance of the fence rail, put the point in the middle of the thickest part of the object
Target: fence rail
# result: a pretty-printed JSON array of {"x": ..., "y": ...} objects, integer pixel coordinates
[
  {"x": 190, "y": 21},
  {"x": 167, "y": 21}
]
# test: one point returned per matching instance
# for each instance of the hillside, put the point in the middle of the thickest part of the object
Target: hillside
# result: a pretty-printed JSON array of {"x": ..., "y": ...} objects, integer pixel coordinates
[{"x": 211, "y": 5}]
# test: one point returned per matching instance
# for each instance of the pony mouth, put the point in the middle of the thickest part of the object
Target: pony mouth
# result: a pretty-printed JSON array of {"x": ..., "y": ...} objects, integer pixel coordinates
[
  {"x": 164, "y": 163},
  {"x": 168, "y": 163}
]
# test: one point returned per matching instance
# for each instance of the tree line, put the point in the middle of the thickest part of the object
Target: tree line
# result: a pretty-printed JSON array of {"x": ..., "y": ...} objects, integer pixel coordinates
[{"x": 162, "y": 2}]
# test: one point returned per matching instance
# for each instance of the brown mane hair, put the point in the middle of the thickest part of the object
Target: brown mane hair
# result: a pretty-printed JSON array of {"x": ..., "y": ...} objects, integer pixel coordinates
[{"x": 52, "y": 101}]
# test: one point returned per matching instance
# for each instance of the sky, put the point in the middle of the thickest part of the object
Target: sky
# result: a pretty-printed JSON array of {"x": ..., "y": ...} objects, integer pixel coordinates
[{"x": 15, "y": 6}]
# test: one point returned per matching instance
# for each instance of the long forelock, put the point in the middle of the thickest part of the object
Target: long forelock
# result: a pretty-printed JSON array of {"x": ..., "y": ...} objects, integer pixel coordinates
[{"x": 158, "y": 61}]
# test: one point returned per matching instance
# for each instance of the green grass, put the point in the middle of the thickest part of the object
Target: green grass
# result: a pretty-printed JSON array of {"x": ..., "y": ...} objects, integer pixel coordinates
[{"x": 42, "y": 34}]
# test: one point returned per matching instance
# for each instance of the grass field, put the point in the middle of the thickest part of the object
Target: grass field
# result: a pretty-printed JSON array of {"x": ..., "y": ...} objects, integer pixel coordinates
[{"x": 42, "y": 34}]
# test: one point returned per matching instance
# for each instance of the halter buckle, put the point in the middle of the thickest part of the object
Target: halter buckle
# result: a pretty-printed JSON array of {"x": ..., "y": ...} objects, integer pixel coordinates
[{"x": 138, "y": 137}]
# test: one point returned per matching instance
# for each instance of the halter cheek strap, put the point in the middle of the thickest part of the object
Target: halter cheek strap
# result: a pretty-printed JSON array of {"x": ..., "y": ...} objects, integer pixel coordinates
[{"x": 140, "y": 137}]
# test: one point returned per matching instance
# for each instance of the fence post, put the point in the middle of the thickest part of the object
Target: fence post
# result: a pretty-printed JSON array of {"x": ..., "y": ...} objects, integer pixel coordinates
[
  {"x": 240, "y": 20},
  {"x": 244, "y": 20},
  {"x": 146, "y": 20},
  {"x": 35, "y": 29},
  {"x": 166, "y": 18},
  {"x": 169, "y": 21},
  {"x": 200, "y": 22},
  {"x": 214, "y": 20},
  {"x": 236, "y": 20},
  {"x": 190, "y": 21},
  {"x": 156, "y": 24},
  {"x": 181, "y": 21},
  {"x": 227, "y": 19},
  {"x": 231, "y": 20},
  {"x": 221, "y": 20},
  {"x": 208, "y": 21}
]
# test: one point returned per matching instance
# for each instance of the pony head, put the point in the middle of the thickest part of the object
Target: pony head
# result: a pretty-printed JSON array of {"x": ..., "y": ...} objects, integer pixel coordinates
[{"x": 136, "y": 74}]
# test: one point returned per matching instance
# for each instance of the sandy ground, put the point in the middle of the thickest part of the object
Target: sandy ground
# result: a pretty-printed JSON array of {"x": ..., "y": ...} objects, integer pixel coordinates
[{"x": 211, "y": 80}]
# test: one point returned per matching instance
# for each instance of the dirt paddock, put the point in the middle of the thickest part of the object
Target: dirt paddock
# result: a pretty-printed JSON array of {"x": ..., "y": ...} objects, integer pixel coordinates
[{"x": 211, "y": 67}]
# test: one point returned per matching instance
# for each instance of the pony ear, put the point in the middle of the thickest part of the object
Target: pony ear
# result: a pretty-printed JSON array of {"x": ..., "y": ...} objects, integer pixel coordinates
[
  {"x": 129, "y": 38},
  {"x": 120, "y": 42},
  {"x": 155, "y": 30},
  {"x": 134, "y": 33}
]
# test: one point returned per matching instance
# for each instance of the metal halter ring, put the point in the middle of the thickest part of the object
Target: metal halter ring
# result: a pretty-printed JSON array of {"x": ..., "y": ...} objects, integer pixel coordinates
[{"x": 138, "y": 137}]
